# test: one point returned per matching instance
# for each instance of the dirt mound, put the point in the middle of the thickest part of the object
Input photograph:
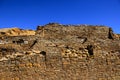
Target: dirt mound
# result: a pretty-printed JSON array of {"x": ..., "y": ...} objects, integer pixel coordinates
[{"x": 15, "y": 32}]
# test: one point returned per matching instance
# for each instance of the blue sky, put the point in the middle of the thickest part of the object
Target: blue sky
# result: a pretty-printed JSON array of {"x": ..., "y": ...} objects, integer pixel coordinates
[{"x": 27, "y": 14}]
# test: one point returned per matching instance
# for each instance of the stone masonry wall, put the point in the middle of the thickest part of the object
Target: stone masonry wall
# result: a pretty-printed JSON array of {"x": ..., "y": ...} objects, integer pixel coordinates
[
  {"x": 62, "y": 52},
  {"x": 37, "y": 67}
]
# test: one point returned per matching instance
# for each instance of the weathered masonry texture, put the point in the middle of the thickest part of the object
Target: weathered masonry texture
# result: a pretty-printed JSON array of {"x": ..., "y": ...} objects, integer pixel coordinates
[{"x": 62, "y": 52}]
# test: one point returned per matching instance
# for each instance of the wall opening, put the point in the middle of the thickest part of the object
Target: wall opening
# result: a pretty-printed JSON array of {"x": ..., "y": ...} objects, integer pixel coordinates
[
  {"x": 110, "y": 34},
  {"x": 90, "y": 50},
  {"x": 44, "y": 54}
]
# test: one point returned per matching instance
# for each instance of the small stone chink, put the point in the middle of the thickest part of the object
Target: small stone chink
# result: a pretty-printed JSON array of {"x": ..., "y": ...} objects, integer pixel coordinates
[{"x": 35, "y": 41}]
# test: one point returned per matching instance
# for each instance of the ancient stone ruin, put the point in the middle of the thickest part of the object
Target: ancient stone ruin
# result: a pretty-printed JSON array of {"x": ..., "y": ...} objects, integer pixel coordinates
[{"x": 60, "y": 52}]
